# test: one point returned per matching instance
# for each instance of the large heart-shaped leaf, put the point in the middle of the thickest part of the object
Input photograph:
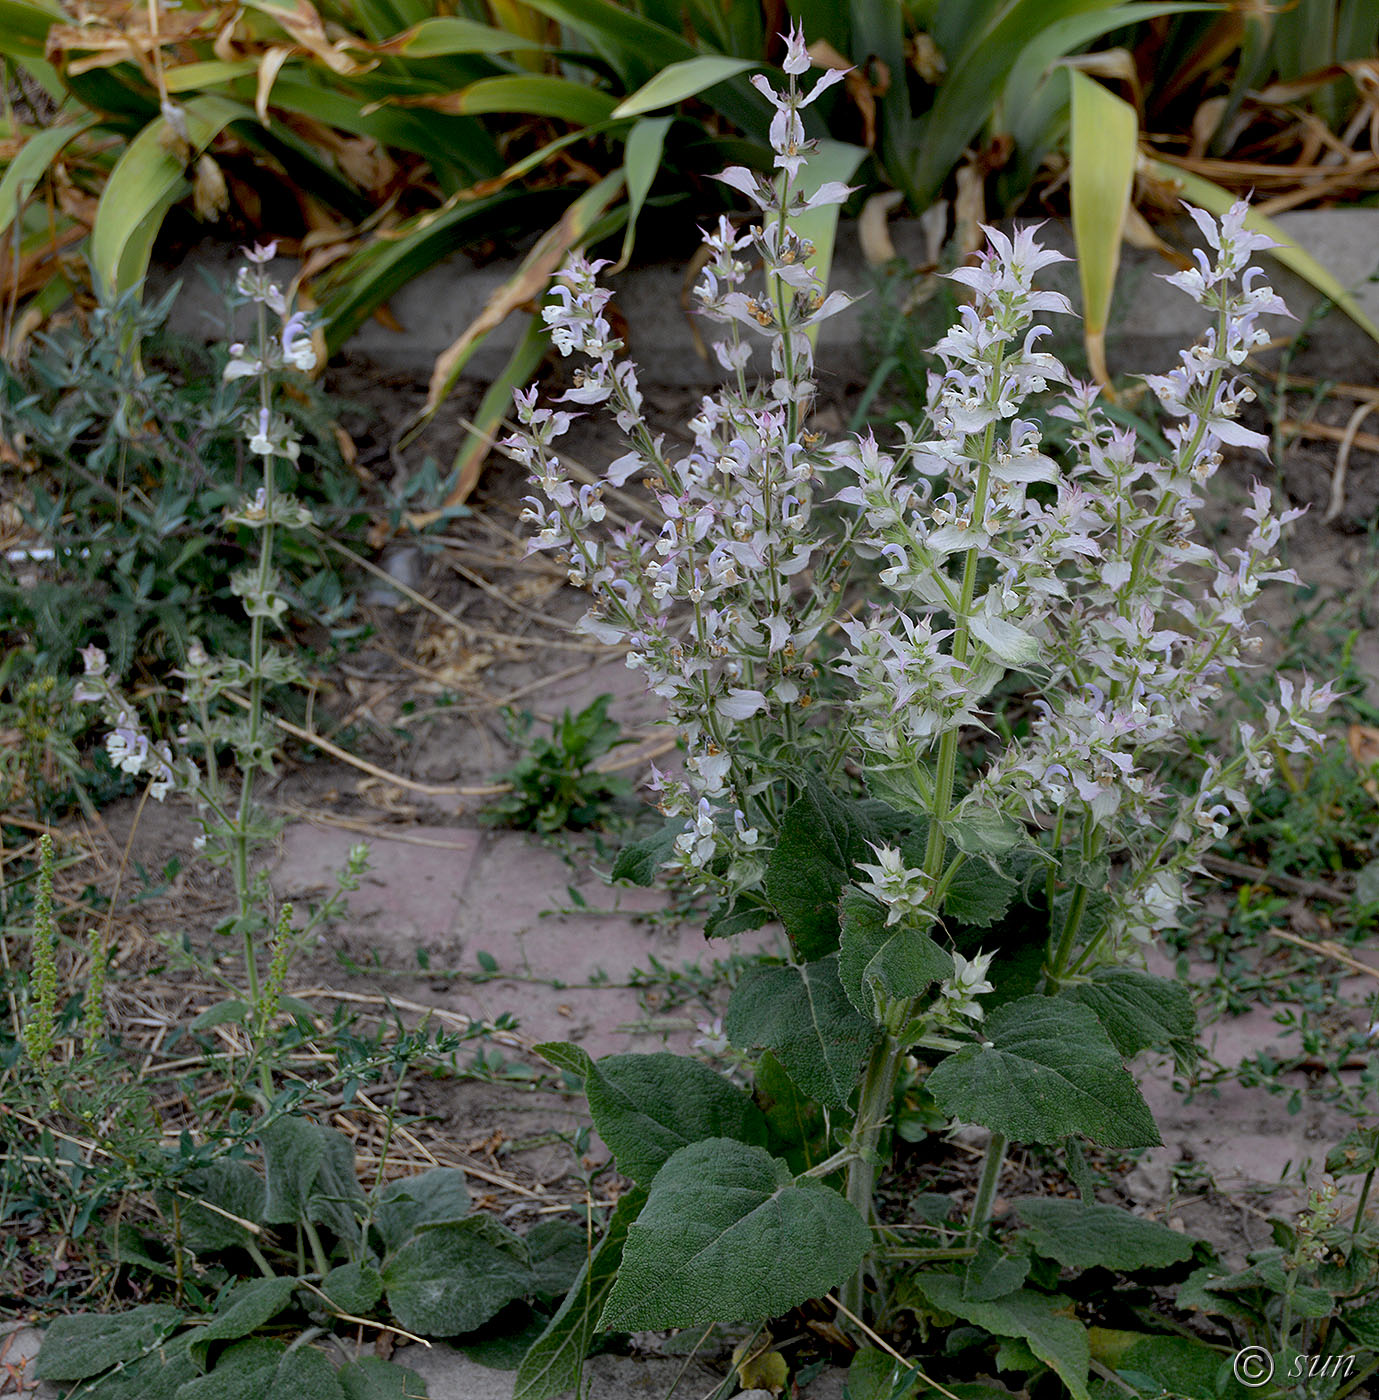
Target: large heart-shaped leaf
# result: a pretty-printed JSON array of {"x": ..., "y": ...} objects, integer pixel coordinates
[
  {"x": 647, "y": 1107},
  {"x": 727, "y": 1235},
  {"x": 558, "y": 1250},
  {"x": 372, "y": 1378},
  {"x": 310, "y": 1176},
  {"x": 353, "y": 1288},
  {"x": 876, "y": 960},
  {"x": 1043, "y": 1320},
  {"x": 1082, "y": 1236},
  {"x": 428, "y": 1198},
  {"x": 1047, "y": 1071},
  {"x": 158, "y": 1376},
  {"x": 1139, "y": 1011},
  {"x": 246, "y": 1309},
  {"x": 821, "y": 839},
  {"x": 802, "y": 1015},
  {"x": 85, "y": 1344},
  {"x": 245, "y": 1371},
  {"x": 233, "y": 1186},
  {"x": 552, "y": 1365},
  {"x": 452, "y": 1278}
]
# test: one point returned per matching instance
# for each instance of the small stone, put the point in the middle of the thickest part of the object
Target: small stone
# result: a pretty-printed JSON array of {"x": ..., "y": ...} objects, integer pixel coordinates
[
  {"x": 971, "y": 1135},
  {"x": 401, "y": 562}
]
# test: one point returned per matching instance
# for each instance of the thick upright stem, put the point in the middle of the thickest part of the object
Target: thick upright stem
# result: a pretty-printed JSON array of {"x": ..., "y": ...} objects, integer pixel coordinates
[
  {"x": 874, "y": 1098},
  {"x": 986, "y": 1187},
  {"x": 873, "y": 1111},
  {"x": 249, "y": 764}
]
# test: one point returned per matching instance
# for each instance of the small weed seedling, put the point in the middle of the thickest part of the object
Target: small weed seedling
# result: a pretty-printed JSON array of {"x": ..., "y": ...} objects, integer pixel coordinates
[{"x": 555, "y": 785}]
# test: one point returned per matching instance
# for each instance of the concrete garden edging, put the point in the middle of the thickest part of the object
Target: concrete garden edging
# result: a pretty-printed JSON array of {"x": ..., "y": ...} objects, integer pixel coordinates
[{"x": 1150, "y": 322}]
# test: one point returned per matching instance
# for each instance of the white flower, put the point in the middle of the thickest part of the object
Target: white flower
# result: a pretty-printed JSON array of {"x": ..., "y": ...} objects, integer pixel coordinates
[
  {"x": 297, "y": 348},
  {"x": 260, "y": 441},
  {"x": 902, "y": 889},
  {"x": 958, "y": 994}
]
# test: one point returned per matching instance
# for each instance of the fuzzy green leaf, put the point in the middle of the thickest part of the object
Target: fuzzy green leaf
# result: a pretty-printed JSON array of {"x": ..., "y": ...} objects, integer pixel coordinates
[
  {"x": 352, "y": 1288},
  {"x": 430, "y": 1198},
  {"x": 563, "y": 1055},
  {"x": 558, "y": 1250},
  {"x": 232, "y": 1011},
  {"x": 233, "y": 1186},
  {"x": 1042, "y": 1320},
  {"x": 552, "y": 1365},
  {"x": 306, "y": 1374},
  {"x": 641, "y": 861},
  {"x": 991, "y": 1273},
  {"x": 821, "y": 839},
  {"x": 978, "y": 895},
  {"x": 248, "y": 1307},
  {"x": 1082, "y": 1236},
  {"x": 874, "y": 959},
  {"x": 310, "y": 1176},
  {"x": 372, "y": 1378},
  {"x": 876, "y": 1375},
  {"x": 1363, "y": 1324},
  {"x": 1048, "y": 1071},
  {"x": 647, "y": 1107},
  {"x": 795, "y": 1124},
  {"x": 727, "y": 1235},
  {"x": 803, "y": 1016},
  {"x": 85, "y": 1344},
  {"x": 1176, "y": 1366},
  {"x": 245, "y": 1372},
  {"x": 452, "y": 1278},
  {"x": 982, "y": 832},
  {"x": 292, "y": 1153},
  {"x": 1138, "y": 1010},
  {"x": 158, "y": 1376}
]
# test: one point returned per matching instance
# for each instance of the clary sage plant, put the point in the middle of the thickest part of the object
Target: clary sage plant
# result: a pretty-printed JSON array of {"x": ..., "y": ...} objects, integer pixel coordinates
[
  {"x": 929, "y": 696},
  {"x": 228, "y": 698}
]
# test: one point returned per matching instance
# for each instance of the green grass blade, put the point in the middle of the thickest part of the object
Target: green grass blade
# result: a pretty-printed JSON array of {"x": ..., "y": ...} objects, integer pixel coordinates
[
  {"x": 30, "y": 164},
  {"x": 637, "y": 50},
  {"x": 1215, "y": 200},
  {"x": 529, "y": 282},
  {"x": 634, "y": 46},
  {"x": 446, "y": 35},
  {"x": 24, "y": 27},
  {"x": 1058, "y": 40},
  {"x": 538, "y": 95},
  {"x": 355, "y": 287},
  {"x": 831, "y": 160},
  {"x": 677, "y": 81},
  {"x": 496, "y": 404},
  {"x": 447, "y": 142},
  {"x": 145, "y": 183},
  {"x": 194, "y": 77},
  {"x": 1104, "y": 148},
  {"x": 642, "y": 153},
  {"x": 981, "y": 69}
]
